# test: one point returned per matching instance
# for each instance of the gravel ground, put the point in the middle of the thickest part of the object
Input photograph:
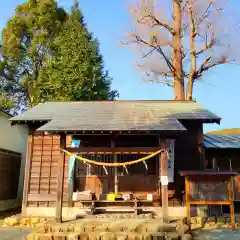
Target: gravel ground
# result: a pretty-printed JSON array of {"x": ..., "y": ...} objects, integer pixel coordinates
[
  {"x": 217, "y": 234},
  {"x": 14, "y": 233}
]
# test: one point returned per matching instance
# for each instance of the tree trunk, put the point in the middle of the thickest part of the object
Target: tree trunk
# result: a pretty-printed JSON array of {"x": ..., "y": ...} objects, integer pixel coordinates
[
  {"x": 177, "y": 52},
  {"x": 192, "y": 53}
]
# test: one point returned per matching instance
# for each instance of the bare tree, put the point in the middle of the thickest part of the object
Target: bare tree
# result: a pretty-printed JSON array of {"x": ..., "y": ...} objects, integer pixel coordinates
[{"x": 181, "y": 41}]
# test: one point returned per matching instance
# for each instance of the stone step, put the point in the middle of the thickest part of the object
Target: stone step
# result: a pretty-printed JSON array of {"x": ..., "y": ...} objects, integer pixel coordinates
[{"x": 110, "y": 236}]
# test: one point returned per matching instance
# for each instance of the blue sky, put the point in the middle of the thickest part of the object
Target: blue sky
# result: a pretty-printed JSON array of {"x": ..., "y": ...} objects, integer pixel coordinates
[{"x": 219, "y": 91}]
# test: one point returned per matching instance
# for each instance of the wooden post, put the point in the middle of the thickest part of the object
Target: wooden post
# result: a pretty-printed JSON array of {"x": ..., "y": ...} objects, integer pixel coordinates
[
  {"x": 70, "y": 188},
  {"x": 188, "y": 206},
  {"x": 27, "y": 171},
  {"x": 232, "y": 179},
  {"x": 164, "y": 181},
  {"x": 60, "y": 179},
  {"x": 214, "y": 163},
  {"x": 232, "y": 213},
  {"x": 71, "y": 182},
  {"x": 115, "y": 170}
]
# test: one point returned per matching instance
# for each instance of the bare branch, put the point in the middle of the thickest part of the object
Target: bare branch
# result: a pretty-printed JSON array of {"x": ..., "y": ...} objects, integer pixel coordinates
[
  {"x": 205, "y": 14},
  {"x": 161, "y": 24},
  {"x": 155, "y": 46},
  {"x": 143, "y": 17},
  {"x": 148, "y": 53},
  {"x": 164, "y": 81},
  {"x": 223, "y": 60},
  {"x": 198, "y": 73},
  {"x": 206, "y": 65},
  {"x": 208, "y": 45}
]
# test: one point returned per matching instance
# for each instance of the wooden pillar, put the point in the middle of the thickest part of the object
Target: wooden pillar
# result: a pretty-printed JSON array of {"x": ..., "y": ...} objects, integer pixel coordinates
[
  {"x": 71, "y": 182},
  {"x": 232, "y": 213},
  {"x": 27, "y": 171},
  {"x": 159, "y": 173},
  {"x": 70, "y": 188},
  {"x": 188, "y": 206},
  {"x": 214, "y": 166},
  {"x": 60, "y": 179},
  {"x": 115, "y": 170},
  {"x": 164, "y": 181}
]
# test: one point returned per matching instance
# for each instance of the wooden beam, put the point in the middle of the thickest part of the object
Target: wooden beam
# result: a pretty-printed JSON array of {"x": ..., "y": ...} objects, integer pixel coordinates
[
  {"x": 115, "y": 170},
  {"x": 27, "y": 171},
  {"x": 40, "y": 166},
  {"x": 71, "y": 188},
  {"x": 188, "y": 206},
  {"x": 214, "y": 165},
  {"x": 130, "y": 150},
  {"x": 159, "y": 170},
  {"x": 210, "y": 202},
  {"x": 164, "y": 180},
  {"x": 60, "y": 179},
  {"x": 230, "y": 193},
  {"x": 70, "y": 180}
]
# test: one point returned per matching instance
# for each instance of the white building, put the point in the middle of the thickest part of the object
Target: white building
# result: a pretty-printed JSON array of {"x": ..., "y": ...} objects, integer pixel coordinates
[{"x": 13, "y": 139}]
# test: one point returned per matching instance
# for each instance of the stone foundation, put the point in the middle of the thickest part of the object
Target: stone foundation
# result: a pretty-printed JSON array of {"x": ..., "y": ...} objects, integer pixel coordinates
[
  {"x": 108, "y": 230},
  {"x": 213, "y": 222},
  {"x": 74, "y": 212}
]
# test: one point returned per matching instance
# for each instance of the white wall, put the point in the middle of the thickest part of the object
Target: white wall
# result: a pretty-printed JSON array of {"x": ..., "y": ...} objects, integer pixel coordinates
[{"x": 14, "y": 138}]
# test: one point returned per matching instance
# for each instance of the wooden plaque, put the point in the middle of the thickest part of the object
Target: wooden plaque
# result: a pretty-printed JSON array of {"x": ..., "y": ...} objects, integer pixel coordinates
[{"x": 209, "y": 191}]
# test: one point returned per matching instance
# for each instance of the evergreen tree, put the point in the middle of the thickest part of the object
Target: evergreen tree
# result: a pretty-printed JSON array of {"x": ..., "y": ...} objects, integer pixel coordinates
[
  {"x": 48, "y": 54},
  {"x": 76, "y": 70},
  {"x": 26, "y": 41}
]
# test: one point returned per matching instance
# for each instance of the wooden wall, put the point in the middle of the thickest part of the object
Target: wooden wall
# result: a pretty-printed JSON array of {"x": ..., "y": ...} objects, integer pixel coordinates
[
  {"x": 9, "y": 174},
  {"x": 43, "y": 170},
  {"x": 104, "y": 184},
  {"x": 189, "y": 154}
]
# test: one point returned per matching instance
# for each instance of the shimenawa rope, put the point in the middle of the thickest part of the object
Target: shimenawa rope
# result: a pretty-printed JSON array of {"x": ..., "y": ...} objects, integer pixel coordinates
[{"x": 119, "y": 164}]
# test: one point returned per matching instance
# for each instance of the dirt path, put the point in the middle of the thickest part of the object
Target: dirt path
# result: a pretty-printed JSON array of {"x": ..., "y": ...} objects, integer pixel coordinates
[
  {"x": 14, "y": 233},
  {"x": 11, "y": 233},
  {"x": 216, "y": 234}
]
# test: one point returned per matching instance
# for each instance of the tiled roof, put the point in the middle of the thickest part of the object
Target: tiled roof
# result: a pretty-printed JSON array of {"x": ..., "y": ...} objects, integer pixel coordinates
[
  {"x": 79, "y": 124},
  {"x": 116, "y": 114},
  {"x": 222, "y": 141}
]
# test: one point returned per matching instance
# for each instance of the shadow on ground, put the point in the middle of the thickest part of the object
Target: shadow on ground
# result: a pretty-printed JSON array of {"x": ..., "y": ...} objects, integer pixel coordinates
[
  {"x": 8, "y": 213},
  {"x": 207, "y": 234},
  {"x": 12, "y": 233}
]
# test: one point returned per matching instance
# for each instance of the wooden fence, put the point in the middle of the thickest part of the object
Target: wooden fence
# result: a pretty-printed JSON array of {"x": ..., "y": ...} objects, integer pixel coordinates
[{"x": 10, "y": 163}]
